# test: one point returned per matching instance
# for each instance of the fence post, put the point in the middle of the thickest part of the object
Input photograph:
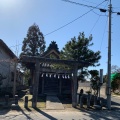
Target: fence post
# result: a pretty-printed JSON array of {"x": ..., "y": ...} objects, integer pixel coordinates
[
  {"x": 81, "y": 100},
  {"x": 88, "y": 100},
  {"x": 26, "y": 102}
]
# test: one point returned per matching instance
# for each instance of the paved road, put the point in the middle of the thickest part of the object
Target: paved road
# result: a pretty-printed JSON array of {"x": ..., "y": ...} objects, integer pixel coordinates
[
  {"x": 115, "y": 98},
  {"x": 67, "y": 114},
  {"x": 61, "y": 115}
]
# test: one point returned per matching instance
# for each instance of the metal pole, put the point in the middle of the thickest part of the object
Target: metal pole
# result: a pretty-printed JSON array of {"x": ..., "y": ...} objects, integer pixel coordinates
[
  {"x": 109, "y": 59},
  {"x": 14, "y": 84}
]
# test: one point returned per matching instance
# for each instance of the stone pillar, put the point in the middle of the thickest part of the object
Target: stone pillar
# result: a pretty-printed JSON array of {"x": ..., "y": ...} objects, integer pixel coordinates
[
  {"x": 36, "y": 84},
  {"x": 88, "y": 100},
  {"x": 81, "y": 100},
  {"x": 95, "y": 100},
  {"x": 26, "y": 102},
  {"x": 74, "y": 87},
  {"x": 16, "y": 99}
]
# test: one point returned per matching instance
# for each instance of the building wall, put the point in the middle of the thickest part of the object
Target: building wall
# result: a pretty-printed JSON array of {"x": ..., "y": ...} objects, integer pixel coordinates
[{"x": 6, "y": 67}]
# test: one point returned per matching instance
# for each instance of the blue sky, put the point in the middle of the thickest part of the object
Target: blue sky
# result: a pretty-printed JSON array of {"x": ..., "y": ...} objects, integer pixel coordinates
[{"x": 16, "y": 16}]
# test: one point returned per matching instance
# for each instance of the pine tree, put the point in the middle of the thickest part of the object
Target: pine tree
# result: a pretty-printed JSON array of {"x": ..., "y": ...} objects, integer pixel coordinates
[{"x": 78, "y": 49}]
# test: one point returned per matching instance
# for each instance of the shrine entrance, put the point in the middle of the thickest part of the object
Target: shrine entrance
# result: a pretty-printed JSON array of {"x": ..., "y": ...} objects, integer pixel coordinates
[
  {"x": 51, "y": 84},
  {"x": 47, "y": 79},
  {"x": 55, "y": 84},
  {"x": 39, "y": 75}
]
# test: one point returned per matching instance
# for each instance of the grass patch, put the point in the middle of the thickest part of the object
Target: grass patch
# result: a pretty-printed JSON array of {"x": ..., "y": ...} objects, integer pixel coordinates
[
  {"x": 41, "y": 103},
  {"x": 116, "y": 94}
]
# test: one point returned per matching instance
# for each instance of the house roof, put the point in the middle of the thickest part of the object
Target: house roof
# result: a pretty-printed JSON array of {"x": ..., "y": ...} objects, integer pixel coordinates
[{"x": 7, "y": 49}]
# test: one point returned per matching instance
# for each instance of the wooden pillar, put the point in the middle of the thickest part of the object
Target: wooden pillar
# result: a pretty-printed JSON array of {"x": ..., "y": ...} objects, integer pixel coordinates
[
  {"x": 74, "y": 87},
  {"x": 36, "y": 84},
  {"x": 60, "y": 84},
  {"x": 43, "y": 81}
]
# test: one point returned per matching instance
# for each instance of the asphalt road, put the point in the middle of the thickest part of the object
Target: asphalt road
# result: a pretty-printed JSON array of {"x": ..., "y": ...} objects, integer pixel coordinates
[
  {"x": 67, "y": 114},
  {"x": 115, "y": 99}
]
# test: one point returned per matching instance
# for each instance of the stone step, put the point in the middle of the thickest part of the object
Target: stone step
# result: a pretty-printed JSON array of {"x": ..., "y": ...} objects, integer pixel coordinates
[{"x": 53, "y": 103}]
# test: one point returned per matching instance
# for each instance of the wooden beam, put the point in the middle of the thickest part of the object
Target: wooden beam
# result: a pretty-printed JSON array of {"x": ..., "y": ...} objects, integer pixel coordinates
[
  {"x": 32, "y": 59},
  {"x": 57, "y": 71}
]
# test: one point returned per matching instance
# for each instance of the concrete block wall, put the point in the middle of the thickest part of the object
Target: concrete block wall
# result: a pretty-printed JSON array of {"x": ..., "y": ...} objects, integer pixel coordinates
[{"x": 86, "y": 87}]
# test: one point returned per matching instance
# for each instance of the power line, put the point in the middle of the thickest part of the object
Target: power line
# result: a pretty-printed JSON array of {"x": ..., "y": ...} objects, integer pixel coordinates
[
  {"x": 95, "y": 24},
  {"x": 97, "y": 19},
  {"x": 89, "y": 1},
  {"x": 74, "y": 19},
  {"x": 82, "y": 4},
  {"x": 15, "y": 45},
  {"x": 98, "y": 14},
  {"x": 103, "y": 34},
  {"x": 70, "y": 21}
]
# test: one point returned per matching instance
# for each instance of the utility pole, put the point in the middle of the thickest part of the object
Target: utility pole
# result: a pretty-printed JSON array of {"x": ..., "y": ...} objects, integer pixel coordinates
[
  {"x": 109, "y": 58},
  {"x": 109, "y": 48}
]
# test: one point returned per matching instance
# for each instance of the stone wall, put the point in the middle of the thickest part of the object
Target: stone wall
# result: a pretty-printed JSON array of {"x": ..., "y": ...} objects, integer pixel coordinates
[{"x": 86, "y": 87}]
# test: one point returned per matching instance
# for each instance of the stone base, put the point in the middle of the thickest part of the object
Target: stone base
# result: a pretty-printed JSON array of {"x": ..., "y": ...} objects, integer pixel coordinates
[
  {"x": 15, "y": 107},
  {"x": 97, "y": 107}
]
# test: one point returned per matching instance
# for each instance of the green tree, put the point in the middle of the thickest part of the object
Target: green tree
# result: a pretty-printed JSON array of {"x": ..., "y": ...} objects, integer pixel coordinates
[
  {"x": 33, "y": 44},
  {"x": 27, "y": 77},
  {"x": 79, "y": 49},
  {"x": 115, "y": 77},
  {"x": 116, "y": 82},
  {"x": 115, "y": 69},
  {"x": 94, "y": 80}
]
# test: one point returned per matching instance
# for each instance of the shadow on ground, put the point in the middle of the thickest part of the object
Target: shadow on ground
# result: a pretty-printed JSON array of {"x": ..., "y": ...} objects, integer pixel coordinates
[
  {"x": 45, "y": 114},
  {"x": 104, "y": 114}
]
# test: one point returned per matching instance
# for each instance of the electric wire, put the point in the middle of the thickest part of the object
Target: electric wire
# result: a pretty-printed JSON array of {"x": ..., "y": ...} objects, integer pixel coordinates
[
  {"x": 94, "y": 24},
  {"x": 89, "y": 1},
  {"x": 103, "y": 34},
  {"x": 73, "y": 20},
  {"x": 97, "y": 20},
  {"x": 15, "y": 45},
  {"x": 69, "y": 22},
  {"x": 104, "y": 31},
  {"x": 98, "y": 14},
  {"x": 82, "y": 4}
]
